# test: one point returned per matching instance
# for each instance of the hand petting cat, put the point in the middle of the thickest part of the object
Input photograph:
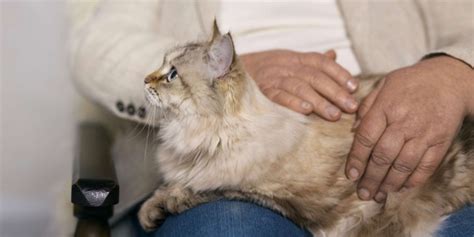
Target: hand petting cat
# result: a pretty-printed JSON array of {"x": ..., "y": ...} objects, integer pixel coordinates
[
  {"x": 407, "y": 125},
  {"x": 304, "y": 82}
]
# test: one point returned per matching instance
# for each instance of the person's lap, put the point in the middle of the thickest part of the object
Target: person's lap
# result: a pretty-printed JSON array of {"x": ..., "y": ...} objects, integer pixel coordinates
[
  {"x": 235, "y": 218},
  {"x": 459, "y": 224},
  {"x": 227, "y": 218}
]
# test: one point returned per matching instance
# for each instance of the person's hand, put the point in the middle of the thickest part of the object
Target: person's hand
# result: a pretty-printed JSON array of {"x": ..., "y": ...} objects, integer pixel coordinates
[
  {"x": 304, "y": 82},
  {"x": 407, "y": 125}
]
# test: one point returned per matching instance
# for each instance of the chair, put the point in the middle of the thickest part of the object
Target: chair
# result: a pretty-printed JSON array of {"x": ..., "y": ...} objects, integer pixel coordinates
[{"x": 95, "y": 189}]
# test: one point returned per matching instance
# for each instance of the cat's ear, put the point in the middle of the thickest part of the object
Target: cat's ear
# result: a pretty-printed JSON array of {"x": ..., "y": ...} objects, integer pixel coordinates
[
  {"x": 215, "y": 30},
  {"x": 221, "y": 55}
]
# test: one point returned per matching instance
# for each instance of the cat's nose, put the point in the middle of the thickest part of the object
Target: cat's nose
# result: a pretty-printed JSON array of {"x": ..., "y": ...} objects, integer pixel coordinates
[{"x": 150, "y": 78}]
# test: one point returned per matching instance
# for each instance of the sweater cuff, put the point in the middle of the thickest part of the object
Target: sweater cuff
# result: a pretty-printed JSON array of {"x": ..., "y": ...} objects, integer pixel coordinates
[{"x": 462, "y": 50}]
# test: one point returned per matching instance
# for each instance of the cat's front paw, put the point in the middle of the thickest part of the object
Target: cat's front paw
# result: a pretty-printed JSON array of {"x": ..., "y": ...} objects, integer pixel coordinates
[
  {"x": 152, "y": 213},
  {"x": 169, "y": 200}
]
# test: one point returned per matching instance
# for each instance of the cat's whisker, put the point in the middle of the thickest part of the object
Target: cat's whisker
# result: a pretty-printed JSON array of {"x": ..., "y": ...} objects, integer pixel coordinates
[
  {"x": 147, "y": 125},
  {"x": 151, "y": 129},
  {"x": 146, "y": 141},
  {"x": 131, "y": 134},
  {"x": 153, "y": 123},
  {"x": 148, "y": 120}
]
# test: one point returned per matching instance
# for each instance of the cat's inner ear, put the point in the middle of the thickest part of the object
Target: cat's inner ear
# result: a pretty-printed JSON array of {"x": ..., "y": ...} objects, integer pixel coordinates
[{"x": 221, "y": 55}]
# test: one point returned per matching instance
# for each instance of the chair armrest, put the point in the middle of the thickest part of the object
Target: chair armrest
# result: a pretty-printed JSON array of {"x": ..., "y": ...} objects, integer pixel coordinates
[{"x": 95, "y": 188}]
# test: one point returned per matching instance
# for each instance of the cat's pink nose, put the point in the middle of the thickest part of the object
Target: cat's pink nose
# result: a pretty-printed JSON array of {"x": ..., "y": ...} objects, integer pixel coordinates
[{"x": 150, "y": 78}]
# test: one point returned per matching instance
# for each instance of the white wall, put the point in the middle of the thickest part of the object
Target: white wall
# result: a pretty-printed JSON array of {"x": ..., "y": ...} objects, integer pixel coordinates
[{"x": 37, "y": 115}]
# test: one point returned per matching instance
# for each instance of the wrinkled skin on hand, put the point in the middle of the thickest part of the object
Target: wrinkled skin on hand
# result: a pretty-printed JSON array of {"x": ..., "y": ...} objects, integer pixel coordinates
[
  {"x": 407, "y": 125},
  {"x": 304, "y": 82}
]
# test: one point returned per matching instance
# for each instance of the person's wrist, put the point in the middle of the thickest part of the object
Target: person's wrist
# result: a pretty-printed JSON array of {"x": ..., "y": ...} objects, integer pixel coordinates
[{"x": 461, "y": 72}]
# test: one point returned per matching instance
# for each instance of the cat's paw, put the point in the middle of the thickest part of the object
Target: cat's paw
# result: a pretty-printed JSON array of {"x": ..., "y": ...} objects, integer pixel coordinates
[
  {"x": 152, "y": 213},
  {"x": 180, "y": 200},
  {"x": 168, "y": 200}
]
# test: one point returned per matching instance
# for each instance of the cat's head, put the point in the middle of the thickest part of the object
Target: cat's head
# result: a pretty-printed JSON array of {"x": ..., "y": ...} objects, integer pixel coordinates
[{"x": 198, "y": 79}]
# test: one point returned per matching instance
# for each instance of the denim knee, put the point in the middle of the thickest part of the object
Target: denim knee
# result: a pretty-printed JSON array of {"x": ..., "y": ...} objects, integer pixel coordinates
[
  {"x": 458, "y": 224},
  {"x": 229, "y": 218}
]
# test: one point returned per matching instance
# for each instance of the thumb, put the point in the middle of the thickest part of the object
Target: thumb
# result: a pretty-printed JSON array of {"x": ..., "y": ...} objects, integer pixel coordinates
[
  {"x": 369, "y": 100},
  {"x": 331, "y": 54}
]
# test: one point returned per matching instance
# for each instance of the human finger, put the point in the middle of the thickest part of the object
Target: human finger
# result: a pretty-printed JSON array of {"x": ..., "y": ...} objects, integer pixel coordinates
[
  {"x": 383, "y": 155},
  {"x": 330, "y": 67},
  {"x": 288, "y": 100},
  {"x": 327, "y": 87},
  {"x": 427, "y": 165},
  {"x": 402, "y": 168},
  {"x": 367, "y": 103},
  {"x": 331, "y": 54},
  {"x": 303, "y": 90},
  {"x": 367, "y": 134}
]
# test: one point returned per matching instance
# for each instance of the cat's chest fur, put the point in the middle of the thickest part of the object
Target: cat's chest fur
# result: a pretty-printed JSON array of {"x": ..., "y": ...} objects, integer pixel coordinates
[
  {"x": 207, "y": 154},
  {"x": 244, "y": 155}
]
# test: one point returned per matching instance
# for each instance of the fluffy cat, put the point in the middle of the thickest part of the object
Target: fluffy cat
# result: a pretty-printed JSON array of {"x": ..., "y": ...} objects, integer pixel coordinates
[{"x": 220, "y": 137}]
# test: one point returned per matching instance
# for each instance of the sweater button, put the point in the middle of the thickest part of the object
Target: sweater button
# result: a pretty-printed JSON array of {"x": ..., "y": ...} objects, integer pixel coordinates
[
  {"x": 120, "y": 106},
  {"x": 131, "y": 109},
  {"x": 141, "y": 112}
]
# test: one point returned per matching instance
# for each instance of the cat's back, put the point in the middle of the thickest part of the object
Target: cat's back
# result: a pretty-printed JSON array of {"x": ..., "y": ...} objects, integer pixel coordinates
[{"x": 318, "y": 160}]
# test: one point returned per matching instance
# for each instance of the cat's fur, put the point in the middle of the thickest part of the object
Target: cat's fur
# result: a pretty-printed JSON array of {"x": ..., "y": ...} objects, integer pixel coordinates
[{"x": 221, "y": 137}]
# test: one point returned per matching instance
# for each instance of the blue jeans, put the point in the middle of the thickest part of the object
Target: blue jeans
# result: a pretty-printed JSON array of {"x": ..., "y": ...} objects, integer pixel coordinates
[
  {"x": 234, "y": 218},
  {"x": 459, "y": 224}
]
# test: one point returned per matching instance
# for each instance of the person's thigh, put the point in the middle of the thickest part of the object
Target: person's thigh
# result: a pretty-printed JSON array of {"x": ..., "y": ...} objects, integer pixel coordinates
[
  {"x": 228, "y": 218},
  {"x": 459, "y": 224}
]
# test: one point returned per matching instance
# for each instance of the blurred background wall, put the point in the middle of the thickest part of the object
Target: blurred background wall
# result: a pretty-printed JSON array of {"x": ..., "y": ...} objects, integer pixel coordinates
[{"x": 37, "y": 115}]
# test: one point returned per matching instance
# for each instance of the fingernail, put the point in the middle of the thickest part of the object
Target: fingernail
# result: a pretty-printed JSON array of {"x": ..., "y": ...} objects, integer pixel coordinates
[
  {"x": 380, "y": 197},
  {"x": 364, "y": 194},
  {"x": 353, "y": 174},
  {"x": 332, "y": 111},
  {"x": 352, "y": 85},
  {"x": 351, "y": 104},
  {"x": 305, "y": 105}
]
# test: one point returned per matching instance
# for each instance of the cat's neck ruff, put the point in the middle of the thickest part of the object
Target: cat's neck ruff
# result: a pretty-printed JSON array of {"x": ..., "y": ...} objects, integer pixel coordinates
[{"x": 210, "y": 152}]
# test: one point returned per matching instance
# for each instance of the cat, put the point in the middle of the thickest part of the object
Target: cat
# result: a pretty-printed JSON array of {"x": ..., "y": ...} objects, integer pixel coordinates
[{"x": 220, "y": 137}]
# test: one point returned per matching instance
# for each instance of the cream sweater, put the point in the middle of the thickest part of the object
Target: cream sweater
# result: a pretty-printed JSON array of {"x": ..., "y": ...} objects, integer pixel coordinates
[{"x": 114, "y": 44}]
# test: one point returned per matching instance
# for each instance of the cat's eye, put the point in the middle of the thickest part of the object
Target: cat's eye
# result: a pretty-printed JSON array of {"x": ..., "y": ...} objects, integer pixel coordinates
[{"x": 172, "y": 74}]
